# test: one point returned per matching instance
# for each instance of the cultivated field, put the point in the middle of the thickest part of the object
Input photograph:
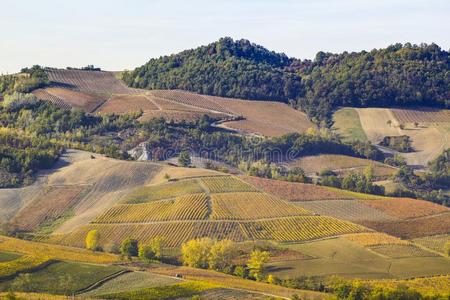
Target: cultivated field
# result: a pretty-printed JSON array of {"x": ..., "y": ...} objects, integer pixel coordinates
[
  {"x": 88, "y": 81},
  {"x": 428, "y": 139},
  {"x": 265, "y": 118},
  {"x": 164, "y": 191},
  {"x": 123, "y": 104},
  {"x": 67, "y": 98},
  {"x": 189, "y": 207},
  {"x": 422, "y": 115},
  {"x": 348, "y": 125},
  {"x": 374, "y": 239},
  {"x": 292, "y": 191},
  {"x": 414, "y": 228},
  {"x": 406, "y": 208},
  {"x": 436, "y": 242},
  {"x": 48, "y": 251},
  {"x": 341, "y": 164},
  {"x": 351, "y": 210},
  {"x": 250, "y": 206},
  {"x": 401, "y": 251},
  {"x": 226, "y": 184}
]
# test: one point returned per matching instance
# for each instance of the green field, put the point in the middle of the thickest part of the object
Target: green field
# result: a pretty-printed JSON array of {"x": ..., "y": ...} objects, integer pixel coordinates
[
  {"x": 340, "y": 257},
  {"x": 179, "y": 290},
  {"x": 59, "y": 278},
  {"x": 131, "y": 281},
  {"x": 8, "y": 256},
  {"x": 347, "y": 124}
]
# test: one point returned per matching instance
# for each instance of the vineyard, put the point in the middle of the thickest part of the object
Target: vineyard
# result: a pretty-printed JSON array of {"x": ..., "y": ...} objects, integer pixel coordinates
[
  {"x": 175, "y": 233},
  {"x": 250, "y": 205},
  {"x": 296, "y": 229},
  {"x": 226, "y": 184},
  {"x": 176, "y": 116},
  {"x": 44, "y": 95},
  {"x": 413, "y": 228},
  {"x": 374, "y": 238},
  {"x": 436, "y": 243},
  {"x": 406, "y": 208},
  {"x": 351, "y": 210},
  {"x": 190, "y": 207},
  {"x": 51, "y": 205},
  {"x": 88, "y": 81},
  {"x": 24, "y": 263},
  {"x": 401, "y": 251},
  {"x": 164, "y": 191},
  {"x": 421, "y": 115},
  {"x": 295, "y": 191},
  {"x": 54, "y": 251},
  {"x": 122, "y": 104},
  {"x": 192, "y": 99}
]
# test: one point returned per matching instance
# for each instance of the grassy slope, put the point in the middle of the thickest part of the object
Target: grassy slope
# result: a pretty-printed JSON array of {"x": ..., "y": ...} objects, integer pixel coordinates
[
  {"x": 347, "y": 124},
  {"x": 60, "y": 278}
]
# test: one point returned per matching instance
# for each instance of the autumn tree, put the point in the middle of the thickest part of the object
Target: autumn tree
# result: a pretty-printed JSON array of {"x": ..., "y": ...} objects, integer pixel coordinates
[
  {"x": 195, "y": 253},
  {"x": 92, "y": 240},
  {"x": 221, "y": 254},
  {"x": 184, "y": 159},
  {"x": 157, "y": 246},
  {"x": 257, "y": 262},
  {"x": 146, "y": 253}
]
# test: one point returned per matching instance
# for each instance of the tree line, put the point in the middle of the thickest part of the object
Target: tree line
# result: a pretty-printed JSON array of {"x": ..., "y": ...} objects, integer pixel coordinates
[{"x": 399, "y": 75}]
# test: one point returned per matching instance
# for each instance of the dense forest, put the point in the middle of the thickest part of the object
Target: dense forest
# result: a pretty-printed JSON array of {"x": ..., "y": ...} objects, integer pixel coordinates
[
  {"x": 226, "y": 68},
  {"x": 397, "y": 75}
]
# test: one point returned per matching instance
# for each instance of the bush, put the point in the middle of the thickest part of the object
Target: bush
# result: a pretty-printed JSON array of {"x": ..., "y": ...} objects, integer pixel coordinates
[
  {"x": 146, "y": 253},
  {"x": 129, "y": 248}
]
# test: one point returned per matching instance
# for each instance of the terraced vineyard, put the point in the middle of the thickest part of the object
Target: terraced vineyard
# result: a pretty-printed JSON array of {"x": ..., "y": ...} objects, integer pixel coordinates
[
  {"x": 190, "y": 207},
  {"x": 122, "y": 104},
  {"x": 250, "y": 206}
]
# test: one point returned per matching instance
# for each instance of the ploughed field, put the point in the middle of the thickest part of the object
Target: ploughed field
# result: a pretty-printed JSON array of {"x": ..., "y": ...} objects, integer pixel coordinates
[
  {"x": 103, "y": 93},
  {"x": 428, "y": 129}
]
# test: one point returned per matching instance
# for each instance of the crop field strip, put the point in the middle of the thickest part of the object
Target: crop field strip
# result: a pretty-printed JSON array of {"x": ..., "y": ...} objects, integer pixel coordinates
[
  {"x": 176, "y": 116},
  {"x": 53, "y": 204},
  {"x": 164, "y": 191},
  {"x": 42, "y": 94},
  {"x": 54, "y": 251},
  {"x": 226, "y": 184},
  {"x": 435, "y": 243},
  {"x": 296, "y": 229},
  {"x": 123, "y": 104},
  {"x": 22, "y": 264},
  {"x": 175, "y": 233},
  {"x": 89, "y": 81},
  {"x": 189, "y": 207},
  {"x": 366, "y": 239},
  {"x": 293, "y": 191},
  {"x": 401, "y": 251},
  {"x": 192, "y": 99},
  {"x": 422, "y": 115},
  {"x": 414, "y": 228},
  {"x": 351, "y": 210},
  {"x": 251, "y": 205},
  {"x": 406, "y": 208}
]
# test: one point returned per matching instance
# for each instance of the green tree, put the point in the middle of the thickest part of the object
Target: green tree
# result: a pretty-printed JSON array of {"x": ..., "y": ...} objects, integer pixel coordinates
[
  {"x": 157, "y": 245},
  {"x": 257, "y": 262},
  {"x": 221, "y": 254},
  {"x": 195, "y": 253},
  {"x": 184, "y": 159},
  {"x": 447, "y": 249},
  {"x": 146, "y": 253},
  {"x": 92, "y": 240},
  {"x": 240, "y": 271},
  {"x": 129, "y": 248}
]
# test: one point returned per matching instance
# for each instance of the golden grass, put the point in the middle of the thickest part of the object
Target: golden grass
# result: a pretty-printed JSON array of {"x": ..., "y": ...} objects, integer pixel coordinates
[
  {"x": 374, "y": 238},
  {"x": 55, "y": 251}
]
